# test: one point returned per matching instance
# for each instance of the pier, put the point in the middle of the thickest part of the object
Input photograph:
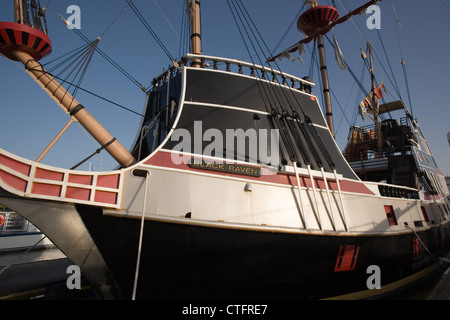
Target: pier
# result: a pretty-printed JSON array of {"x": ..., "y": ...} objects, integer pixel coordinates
[{"x": 37, "y": 274}]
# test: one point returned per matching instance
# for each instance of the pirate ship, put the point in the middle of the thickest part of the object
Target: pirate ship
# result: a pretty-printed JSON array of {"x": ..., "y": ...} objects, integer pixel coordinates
[{"x": 185, "y": 217}]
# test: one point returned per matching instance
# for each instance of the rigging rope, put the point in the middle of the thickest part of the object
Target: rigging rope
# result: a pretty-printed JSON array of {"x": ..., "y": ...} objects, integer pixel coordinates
[
  {"x": 389, "y": 64},
  {"x": 107, "y": 58},
  {"x": 280, "y": 117},
  {"x": 407, "y": 85},
  {"x": 184, "y": 40},
  {"x": 150, "y": 30},
  {"x": 287, "y": 30}
]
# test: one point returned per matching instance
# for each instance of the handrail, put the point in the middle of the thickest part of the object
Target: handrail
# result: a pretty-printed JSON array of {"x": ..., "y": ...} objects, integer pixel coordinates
[{"x": 213, "y": 62}]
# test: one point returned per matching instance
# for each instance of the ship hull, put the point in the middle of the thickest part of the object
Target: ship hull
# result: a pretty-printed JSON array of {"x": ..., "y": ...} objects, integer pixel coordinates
[{"x": 189, "y": 261}]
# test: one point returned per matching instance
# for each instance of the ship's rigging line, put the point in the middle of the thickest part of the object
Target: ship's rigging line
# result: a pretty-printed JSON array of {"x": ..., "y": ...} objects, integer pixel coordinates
[
  {"x": 287, "y": 30},
  {"x": 289, "y": 130},
  {"x": 357, "y": 81},
  {"x": 150, "y": 30},
  {"x": 314, "y": 62},
  {"x": 82, "y": 56},
  {"x": 285, "y": 123},
  {"x": 107, "y": 58},
  {"x": 393, "y": 79}
]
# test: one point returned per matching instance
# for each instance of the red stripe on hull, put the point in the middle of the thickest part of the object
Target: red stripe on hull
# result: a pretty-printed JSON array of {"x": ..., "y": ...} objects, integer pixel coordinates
[{"x": 164, "y": 159}]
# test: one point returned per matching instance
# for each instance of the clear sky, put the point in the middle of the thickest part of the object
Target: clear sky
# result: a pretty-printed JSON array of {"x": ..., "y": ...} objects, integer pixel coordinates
[{"x": 30, "y": 119}]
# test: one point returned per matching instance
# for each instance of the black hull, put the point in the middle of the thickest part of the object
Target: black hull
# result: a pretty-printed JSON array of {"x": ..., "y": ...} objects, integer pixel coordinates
[{"x": 181, "y": 261}]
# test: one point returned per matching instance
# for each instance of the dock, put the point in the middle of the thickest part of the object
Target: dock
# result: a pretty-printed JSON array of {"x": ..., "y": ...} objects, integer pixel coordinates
[
  {"x": 37, "y": 274},
  {"x": 442, "y": 290}
]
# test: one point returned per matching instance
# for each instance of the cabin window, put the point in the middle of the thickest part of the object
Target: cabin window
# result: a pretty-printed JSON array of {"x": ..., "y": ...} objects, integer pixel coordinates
[
  {"x": 390, "y": 214},
  {"x": 424, "y": 212}
]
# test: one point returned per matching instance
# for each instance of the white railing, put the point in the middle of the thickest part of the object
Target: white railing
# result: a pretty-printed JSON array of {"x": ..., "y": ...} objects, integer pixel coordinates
[{"x": 239, "y": 67}]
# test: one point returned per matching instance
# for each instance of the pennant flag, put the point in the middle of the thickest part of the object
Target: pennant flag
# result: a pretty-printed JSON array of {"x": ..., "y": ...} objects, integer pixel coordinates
[{"x": 338, "y": 55}]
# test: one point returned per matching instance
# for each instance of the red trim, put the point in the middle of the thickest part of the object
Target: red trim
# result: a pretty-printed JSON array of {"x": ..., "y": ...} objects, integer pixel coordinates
[
  {"x": 5, "y": 36},
  {"x": 13, "y": 181},
  {"x": 8, "y": 48},
  {"x": 105, "y": 197},
  {"x": 347, "y": 257},
  {"x": 416, "y": 249},
  {"x": 390, "y": 214},
  {"x": 46, "y": 189},
  {"x": 110, "y": 181},
  {"x": 15, "y": 165},
  {"x": 80, "y": 179},
  {"x": 316, "y": 18},
  {"x": 49, "y": 175},
  {"x": 163, "y": 159},
  {"x": 78, "y": 193}
]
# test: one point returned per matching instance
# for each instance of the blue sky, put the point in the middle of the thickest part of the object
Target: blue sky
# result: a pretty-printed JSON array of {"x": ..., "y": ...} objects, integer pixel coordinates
[{"x": 30, "y": 119}]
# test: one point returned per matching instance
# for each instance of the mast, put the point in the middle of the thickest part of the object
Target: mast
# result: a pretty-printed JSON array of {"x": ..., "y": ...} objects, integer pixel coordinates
[
  {"x": 315, "y": 22},
  {"x": 31, "y": 46},
  {"x": 325, "y": 83},
  {"x": 375, "y": 105},
  {"x": 193, "y": 11},
  {"x": 18, "y": 11},
  {"x": 324, "y": 76}
]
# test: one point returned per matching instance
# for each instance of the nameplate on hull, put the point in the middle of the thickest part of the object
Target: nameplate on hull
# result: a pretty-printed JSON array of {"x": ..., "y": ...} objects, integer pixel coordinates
[{"x": 226, "y": 167}]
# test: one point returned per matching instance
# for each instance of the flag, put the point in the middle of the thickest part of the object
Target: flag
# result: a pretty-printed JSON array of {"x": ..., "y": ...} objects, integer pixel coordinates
[{"x": 338, "y": 55}]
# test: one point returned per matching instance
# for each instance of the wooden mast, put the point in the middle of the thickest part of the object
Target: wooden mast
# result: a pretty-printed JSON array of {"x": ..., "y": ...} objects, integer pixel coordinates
[
  {"x": 193, "y": 10},
  {"x": 375, "y": 106},
  {"x": 324, "y": 77},
  {"x": 325, "y": 83},
  {"x": 18, "y": 11}
]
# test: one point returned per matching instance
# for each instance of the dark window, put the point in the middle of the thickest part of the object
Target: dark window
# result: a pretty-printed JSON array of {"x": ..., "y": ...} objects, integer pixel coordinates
[{"x": 390, "y": 214}]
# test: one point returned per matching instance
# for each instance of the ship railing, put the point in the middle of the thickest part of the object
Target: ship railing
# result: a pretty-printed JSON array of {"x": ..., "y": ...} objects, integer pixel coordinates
[
  {"x": 239, "y": 67},
  {"x": 395, "y": 191}
]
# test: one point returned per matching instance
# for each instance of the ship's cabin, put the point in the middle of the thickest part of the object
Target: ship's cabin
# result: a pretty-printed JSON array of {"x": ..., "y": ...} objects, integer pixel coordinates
[{"x": 399, "y": 156}]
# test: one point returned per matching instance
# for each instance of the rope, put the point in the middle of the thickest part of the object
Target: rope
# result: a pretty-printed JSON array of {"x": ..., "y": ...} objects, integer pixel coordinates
[
  {"x": 389, "y": 63},
  {"x": 107, "y": 58},
  {"x": 287, "y": 30},
  {"x": 167, "y": 20},
  {"x": 93, "y": 154},
  {"x": 407, "y": 86},
  {"x": 184, "y": 43},
  {"x": 150, "y": 30},
  {"x": 120, "y": 13},
  {"x": 435, "y": 259},
  {"x": 274, "y": 95},
  {"x": 141, "y": 235}
]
